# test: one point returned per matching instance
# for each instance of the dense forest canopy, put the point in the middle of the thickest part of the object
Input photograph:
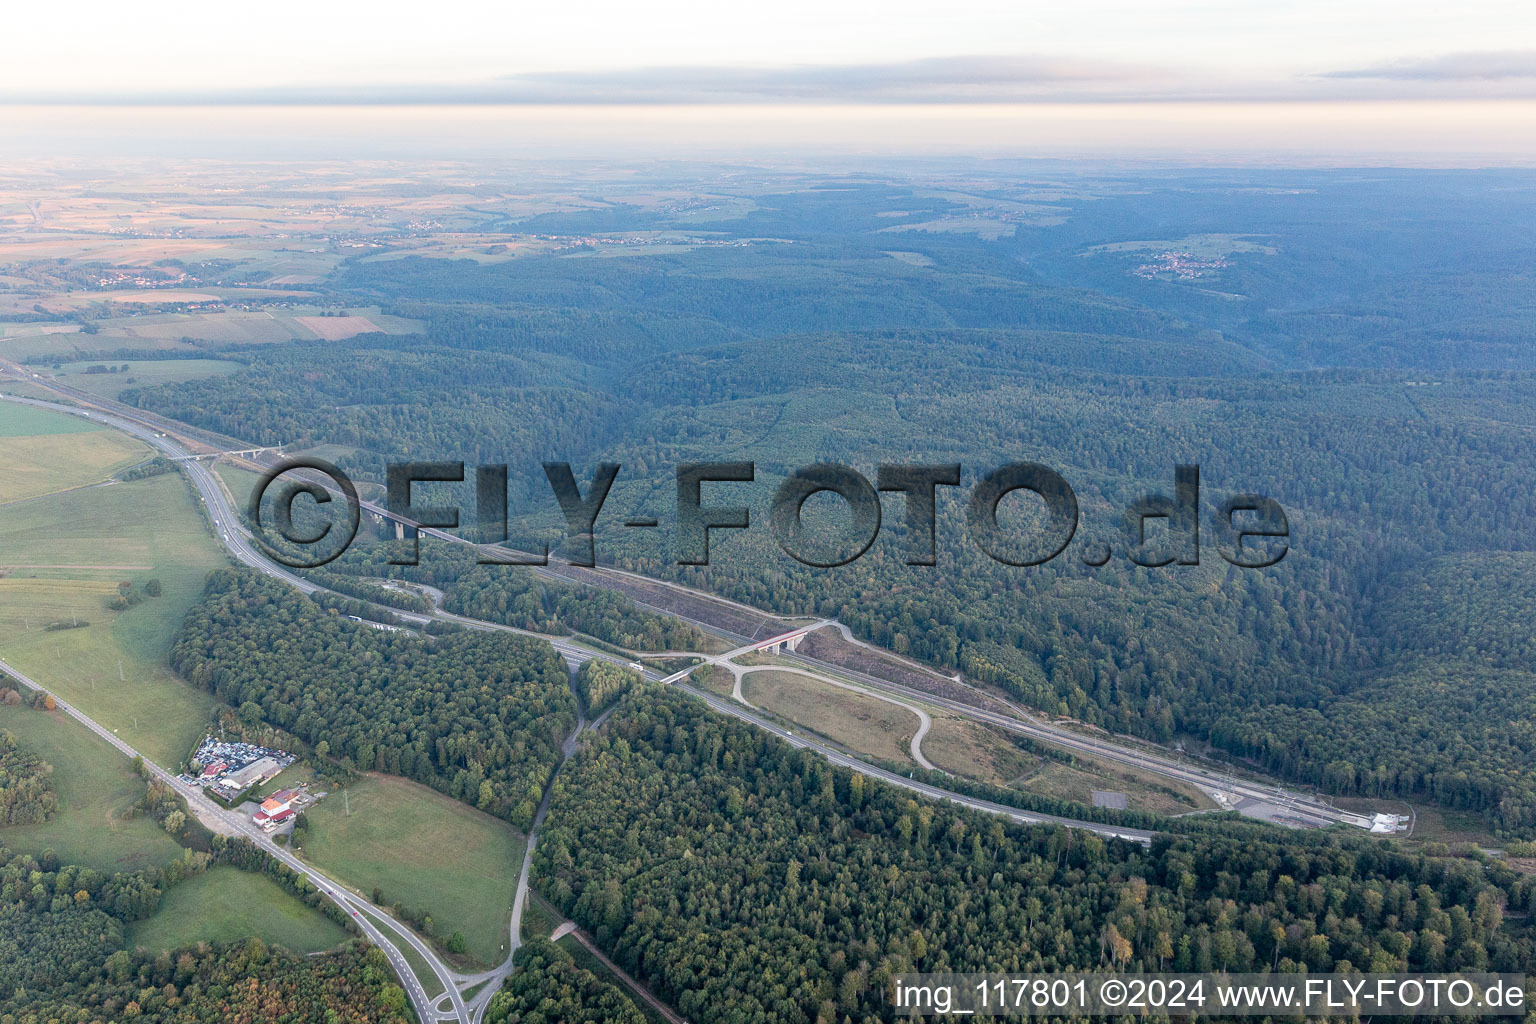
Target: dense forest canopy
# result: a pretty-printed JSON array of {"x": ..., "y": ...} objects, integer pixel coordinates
[
  {"x": 26, "y": 784},
  {"x": 745, "y": 880},
  {"x": 549, "y": 988},
  {"x": 63, "y": 956},
  {"x": 479, "y": 716}
]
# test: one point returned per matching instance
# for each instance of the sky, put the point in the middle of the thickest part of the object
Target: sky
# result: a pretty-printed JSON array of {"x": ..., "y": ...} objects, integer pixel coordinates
[
  {"x": 1215, "y": 78},
  {"x": 1003, "y": 49}
]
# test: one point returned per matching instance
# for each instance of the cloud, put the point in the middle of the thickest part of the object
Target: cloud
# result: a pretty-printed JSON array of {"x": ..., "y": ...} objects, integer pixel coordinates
[
  {"x": 1456, "y": 67},
  {"x": 976, "y": 79},
  {"x": 933, "y": 80},
  {"x": 936, "y": 80}
]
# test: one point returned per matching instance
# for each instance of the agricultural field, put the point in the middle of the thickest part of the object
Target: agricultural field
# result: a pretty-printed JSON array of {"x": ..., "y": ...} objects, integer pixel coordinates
[
  {"x": 139, "y": 373},
  {"x": 118, "y": 324},
  {"x": 96, "y": 786},
  {"x": 42, "y": 452},
  {"x": 225, "y": 904},
  {"x": 64, "y": 558},
  {"x": 862, "y": 724},
  {"x": 424, "y": 851}
]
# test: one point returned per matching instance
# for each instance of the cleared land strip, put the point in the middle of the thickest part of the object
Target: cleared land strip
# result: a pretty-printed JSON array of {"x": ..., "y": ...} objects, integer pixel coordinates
[{"x": 924, "y": 720}]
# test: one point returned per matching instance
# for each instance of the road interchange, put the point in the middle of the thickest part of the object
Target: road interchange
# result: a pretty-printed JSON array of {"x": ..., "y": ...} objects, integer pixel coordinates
[{"x": 229, "y": 528}]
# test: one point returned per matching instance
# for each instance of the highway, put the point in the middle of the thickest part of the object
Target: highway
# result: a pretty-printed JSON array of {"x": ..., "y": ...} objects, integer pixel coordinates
[
  {"x": 229, "y": 525},
  {"x": 1233, "y": 791},
  {"x": 729, "y": 707},
  {"x": 229, "y": 528}
]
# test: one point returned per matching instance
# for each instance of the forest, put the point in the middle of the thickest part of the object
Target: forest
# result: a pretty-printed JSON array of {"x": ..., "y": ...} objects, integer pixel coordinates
[
  {"x": 63, "y": 956},
  {"x": 478, "y": 716},
  {"x": 600, "y": 683},
  {"x": 26, "y": 784},
  {"x": 744, "y": 880},
  {"x": 1377, "y": 382},
  {"x": 550, "y": 988},
  {"x": 514, "y": 596}
]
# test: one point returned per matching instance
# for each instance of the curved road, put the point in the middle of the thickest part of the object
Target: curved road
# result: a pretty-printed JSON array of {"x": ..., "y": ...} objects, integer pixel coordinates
[
  {"x": 1300, "y": 805},
  {"x": 451, "y": 1005},
  {"x": 234, "y": 824},
  {"x": 924, "y": 720}
]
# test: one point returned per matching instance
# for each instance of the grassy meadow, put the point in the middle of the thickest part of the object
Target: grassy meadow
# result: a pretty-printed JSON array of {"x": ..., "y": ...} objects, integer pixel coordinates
[
  {"x": 225, "y": 904},
  {"x": 399, "y": 837},
  {"x": 140, "y": 373},
  {"x": 42, "y": 452},
  {"x": 96, "y": 786},
  {"x": 862, "y": 724},
  {"x": 62, "y": 557}
]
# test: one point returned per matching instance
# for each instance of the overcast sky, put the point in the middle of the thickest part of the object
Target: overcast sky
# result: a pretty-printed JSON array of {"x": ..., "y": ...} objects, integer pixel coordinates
[
  {"x": 1409, "y": 82},
  {"x": 684, "y": 50}
]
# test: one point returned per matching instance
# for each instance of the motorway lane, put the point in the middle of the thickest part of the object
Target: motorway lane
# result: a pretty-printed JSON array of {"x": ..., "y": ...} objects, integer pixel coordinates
[
  {"x": 729, "y": 707},
  {"x": 1056, "y": 736},
  {"x": 1320, "y": 814},
  {"x": 227, "y": 524},
  {"x": 1299, "y": 803},
  {"x": 228, "y": 527}
]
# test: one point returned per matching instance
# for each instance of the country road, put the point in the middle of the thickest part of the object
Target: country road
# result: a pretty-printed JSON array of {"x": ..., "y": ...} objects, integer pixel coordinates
[
  {"x": 228, "y": 527},
  {"x": 1230, "y": 789},
  {"x": 231, "y": 823}
]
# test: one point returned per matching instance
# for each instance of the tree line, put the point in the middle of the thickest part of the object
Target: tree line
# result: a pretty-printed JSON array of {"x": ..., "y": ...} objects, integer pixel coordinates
[
  {"x": 745, "y": 880},
  {"x": 476, "y": 715}
]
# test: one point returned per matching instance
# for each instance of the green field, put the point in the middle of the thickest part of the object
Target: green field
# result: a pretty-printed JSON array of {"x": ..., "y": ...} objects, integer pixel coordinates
[
  {"x": 192, "y": 333},
  {"x": 424, "y": 851},
  {"x": 140, "y": 373},
  {"x": 30, "y": 421},
  {"x": 225, "y": 904},
  {"x": 96, "y": 785},
  {"x": 64, "y": 556},
  {"x": 43, "y": 452}
]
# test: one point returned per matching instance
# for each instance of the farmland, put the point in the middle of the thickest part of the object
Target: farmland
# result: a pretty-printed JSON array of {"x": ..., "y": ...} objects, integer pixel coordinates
[
  {"x": 225, "y": 904},
  {"x": 66, "y": 555},
  {"x": 139, "y": 373},
  {"x": 137, "y": 326},
  {"x": 398, "y": 837},
  {"x": 42, "y": 452}
]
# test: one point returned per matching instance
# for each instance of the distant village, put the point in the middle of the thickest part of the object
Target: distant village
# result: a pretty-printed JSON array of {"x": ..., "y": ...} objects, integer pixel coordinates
[{"x": 1182, "y": 265}]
